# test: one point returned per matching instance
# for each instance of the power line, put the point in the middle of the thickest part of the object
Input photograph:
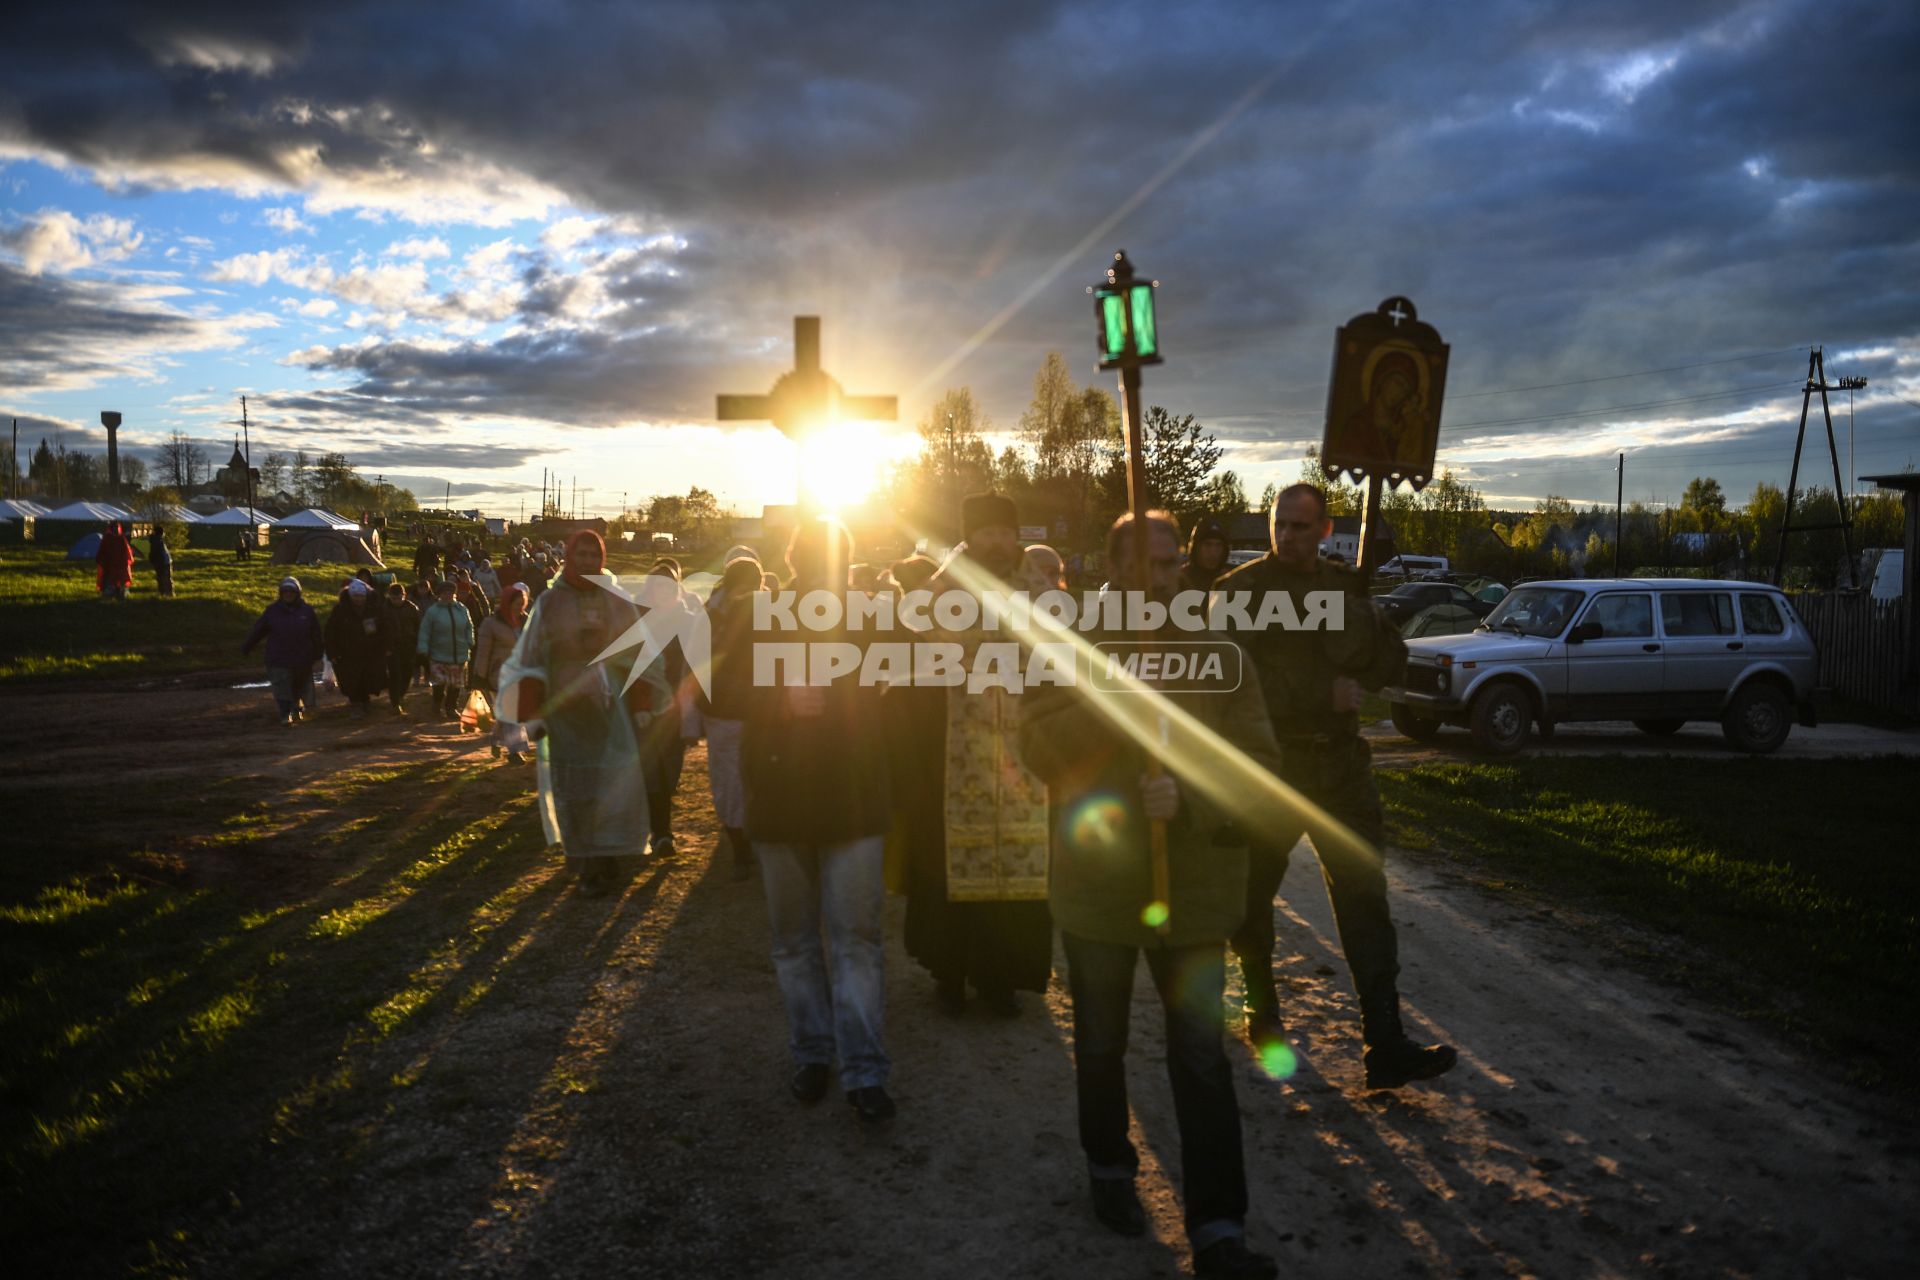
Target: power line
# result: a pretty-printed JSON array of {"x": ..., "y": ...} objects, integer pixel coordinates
[
  {"x": 1638, "y": 373},
  {"x": 1622, "y": 408}
]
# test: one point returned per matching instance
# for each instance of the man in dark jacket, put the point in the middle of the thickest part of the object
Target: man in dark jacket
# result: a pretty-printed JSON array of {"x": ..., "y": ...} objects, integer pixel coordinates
[
  {"x": 815, "y": 765},
  {"x": 292, "y": 631},
  {"x": 1206, "y": 555},
  {"x": 356, "y": 638},
  {"x": 403, "y": 630},
  {"x": 1313, "y": 682},
  {"x": 1103, "y": 800}
]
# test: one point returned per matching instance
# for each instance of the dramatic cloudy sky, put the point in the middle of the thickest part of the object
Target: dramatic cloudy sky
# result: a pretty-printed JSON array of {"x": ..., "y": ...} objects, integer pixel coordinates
[{"x": 463, "y": 242}]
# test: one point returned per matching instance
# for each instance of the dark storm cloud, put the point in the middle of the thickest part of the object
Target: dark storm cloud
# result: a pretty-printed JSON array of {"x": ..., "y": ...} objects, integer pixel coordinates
[
  {"x": 57, "y": 332},
  {"x": 1564, "y": 188}
]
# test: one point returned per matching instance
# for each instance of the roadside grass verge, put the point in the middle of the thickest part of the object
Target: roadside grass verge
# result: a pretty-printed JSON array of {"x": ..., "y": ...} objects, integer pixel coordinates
[
  {"x": 1792, "y": 884},
  {"x": 54, "y": 627},
  {"x": 174, "y": 1006}
]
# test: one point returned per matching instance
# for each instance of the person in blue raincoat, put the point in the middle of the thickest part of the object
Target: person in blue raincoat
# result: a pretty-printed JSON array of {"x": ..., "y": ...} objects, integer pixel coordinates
[{"x": 593, "y": 786}]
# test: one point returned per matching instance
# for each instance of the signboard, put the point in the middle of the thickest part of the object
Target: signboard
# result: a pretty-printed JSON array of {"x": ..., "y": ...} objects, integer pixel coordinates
[
  {"x": 1033, "y": 533},
  {"x": 1383, "y": 404}
]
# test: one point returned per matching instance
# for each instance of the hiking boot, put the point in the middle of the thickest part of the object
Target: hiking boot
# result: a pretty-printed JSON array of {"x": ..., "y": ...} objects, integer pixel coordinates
[
  {"x": 809, "y": 1083},
  {"x": 286, "y": 717},
  {"x": 400, "y": 711},
  {"x": 1118, "y": 1207},
  {"x": 1003, "y": 1002},
  {"x": 1391, "y": 1065},
  {"x": 871, "y": 1104},
  {"x": 514, "y": 757},
  {"x": 1264, "y": 1026},
  {"x": 494, "y": 750},
  {"x": 1231, "y": 1257}
]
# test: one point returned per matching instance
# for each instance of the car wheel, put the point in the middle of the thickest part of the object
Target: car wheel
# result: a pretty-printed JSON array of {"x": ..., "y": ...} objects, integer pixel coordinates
[
  {"x": 1414, "y": 725},
  {"x": 1500, "y": 719},
  {"x": 1758, "y": 719},
  {"x": 1659, "y": 728}
]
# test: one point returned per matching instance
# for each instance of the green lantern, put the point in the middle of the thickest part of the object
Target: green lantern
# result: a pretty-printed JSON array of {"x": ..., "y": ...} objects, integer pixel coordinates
[{"x": 1123, "y": 308}]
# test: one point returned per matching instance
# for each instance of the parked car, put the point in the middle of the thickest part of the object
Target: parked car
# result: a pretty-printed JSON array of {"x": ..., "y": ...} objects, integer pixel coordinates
[
  {"x": 1407, "y": 568},
  {"x": 1410, "y": 598},
  {"x": 1659, "y": 653}
]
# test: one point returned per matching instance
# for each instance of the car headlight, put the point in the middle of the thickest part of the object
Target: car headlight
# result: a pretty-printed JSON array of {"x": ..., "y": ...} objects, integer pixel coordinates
[{"x": 1442, "y": 679}]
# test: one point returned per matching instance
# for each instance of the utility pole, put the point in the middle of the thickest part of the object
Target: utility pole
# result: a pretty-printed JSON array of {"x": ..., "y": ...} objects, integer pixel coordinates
[
  {"x": 13, "y": 481},
  {"x": 1619, "y": 488},
  {"x": 1817, "y": 381},
  {"x": 246, "y": 440}
]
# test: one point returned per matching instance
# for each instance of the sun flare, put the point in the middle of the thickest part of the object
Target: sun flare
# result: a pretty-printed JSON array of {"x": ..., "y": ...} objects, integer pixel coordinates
[{"x": 840, "y": 465}]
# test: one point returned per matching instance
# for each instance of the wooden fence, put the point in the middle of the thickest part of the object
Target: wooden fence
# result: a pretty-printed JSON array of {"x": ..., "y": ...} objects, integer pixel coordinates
[{"x": 1863, "y": 646}]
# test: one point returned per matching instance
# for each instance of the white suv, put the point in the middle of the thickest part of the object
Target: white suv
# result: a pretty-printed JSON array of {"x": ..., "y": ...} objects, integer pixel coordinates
[{"x": 1656, "y": 652}]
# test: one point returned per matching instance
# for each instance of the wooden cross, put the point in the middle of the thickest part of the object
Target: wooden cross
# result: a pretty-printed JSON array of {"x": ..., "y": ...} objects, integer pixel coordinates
[{"x": 807, "y": 397}]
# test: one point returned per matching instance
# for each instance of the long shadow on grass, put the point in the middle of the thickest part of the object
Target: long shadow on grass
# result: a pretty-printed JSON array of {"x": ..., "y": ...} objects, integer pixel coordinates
[{"x": 197, "y": 1025}]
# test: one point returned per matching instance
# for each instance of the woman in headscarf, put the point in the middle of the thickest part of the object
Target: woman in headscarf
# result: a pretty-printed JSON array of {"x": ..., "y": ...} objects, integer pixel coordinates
[
  {"x": 498, "y": 636},
  {"x": 593, "y": 789},
  {"x": 292, "y": 631},
  {"x": 114, "y": 561},
  {"x": 356, "y": 640}
]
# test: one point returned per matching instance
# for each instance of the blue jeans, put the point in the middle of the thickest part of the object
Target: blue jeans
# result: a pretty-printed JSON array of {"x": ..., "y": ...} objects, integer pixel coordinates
[{"x": 825, "y": 901}]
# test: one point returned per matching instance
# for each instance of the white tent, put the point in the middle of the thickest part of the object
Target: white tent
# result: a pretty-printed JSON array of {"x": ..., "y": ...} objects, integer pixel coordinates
[
  {"x": 89, "y": 511},
  {"x": 167, "y": 513},
  {"x": 14, "y": 508},
  {"x": 317, "y": 518},
  {"x": 236, "y": 516}
]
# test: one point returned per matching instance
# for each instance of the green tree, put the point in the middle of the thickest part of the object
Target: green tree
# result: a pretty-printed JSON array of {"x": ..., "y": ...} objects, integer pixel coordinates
[
  {"x": 1343, "y": 499},
  {"x": 332, "y": 478},
  {"x": 1179, "y": 455},
  {"x": 1703, "y": 494}
]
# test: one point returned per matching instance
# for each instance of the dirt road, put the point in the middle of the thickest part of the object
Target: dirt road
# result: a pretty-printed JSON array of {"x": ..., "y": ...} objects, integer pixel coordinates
[{"x": 602, "y": 1091}]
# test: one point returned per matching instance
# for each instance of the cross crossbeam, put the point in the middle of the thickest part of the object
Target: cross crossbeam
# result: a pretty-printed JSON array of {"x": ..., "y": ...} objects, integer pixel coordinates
[{"x": 808, "y": 397}]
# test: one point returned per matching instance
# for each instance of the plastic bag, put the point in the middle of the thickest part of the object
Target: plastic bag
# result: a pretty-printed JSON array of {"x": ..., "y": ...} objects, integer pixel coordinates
[
  {"x": 327, "y": 683},
  {"x": 477, "y": 713}
]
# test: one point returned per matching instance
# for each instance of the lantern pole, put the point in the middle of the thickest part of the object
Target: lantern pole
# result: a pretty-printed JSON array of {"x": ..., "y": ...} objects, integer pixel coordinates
[{"x": 1129, "y": 357}]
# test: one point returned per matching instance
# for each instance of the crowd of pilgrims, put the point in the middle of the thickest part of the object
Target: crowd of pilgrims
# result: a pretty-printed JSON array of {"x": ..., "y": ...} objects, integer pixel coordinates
[{"x": 1000, "y": 816}]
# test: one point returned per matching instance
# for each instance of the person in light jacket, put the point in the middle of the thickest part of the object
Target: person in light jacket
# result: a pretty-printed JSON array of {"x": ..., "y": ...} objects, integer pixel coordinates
[{"x": 446, "y": 642}]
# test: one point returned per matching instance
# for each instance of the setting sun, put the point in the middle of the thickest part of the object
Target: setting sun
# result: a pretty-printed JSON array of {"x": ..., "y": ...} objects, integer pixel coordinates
[{"x": 840, "y": 465}]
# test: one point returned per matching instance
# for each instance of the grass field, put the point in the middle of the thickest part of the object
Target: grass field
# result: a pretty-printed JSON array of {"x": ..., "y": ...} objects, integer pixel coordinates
[
  {"x": 53, "y": 624},
  {"x": 1796, "y": 879}
]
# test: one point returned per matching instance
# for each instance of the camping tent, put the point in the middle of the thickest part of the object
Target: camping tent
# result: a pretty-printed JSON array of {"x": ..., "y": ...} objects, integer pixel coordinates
[
  {"x": 220, "y": 528},
  {"x": 85, "y": 549},
  {"x": 97, "y": 512},
  {"x": 317, "y": 518},
  {"x": 14, "y": 508},
  {"x": 78, "y": 519},
  {"x": 167, "y": 513},
  {"x": 323, "y": 546}
]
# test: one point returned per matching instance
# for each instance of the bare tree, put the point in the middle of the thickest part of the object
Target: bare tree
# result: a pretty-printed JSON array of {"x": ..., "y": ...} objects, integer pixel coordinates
[{"x": 182, "y": 462}]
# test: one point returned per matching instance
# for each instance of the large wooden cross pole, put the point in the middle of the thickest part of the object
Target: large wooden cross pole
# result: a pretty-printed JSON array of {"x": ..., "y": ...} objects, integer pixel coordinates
[{"x": 807, "y": 397}]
